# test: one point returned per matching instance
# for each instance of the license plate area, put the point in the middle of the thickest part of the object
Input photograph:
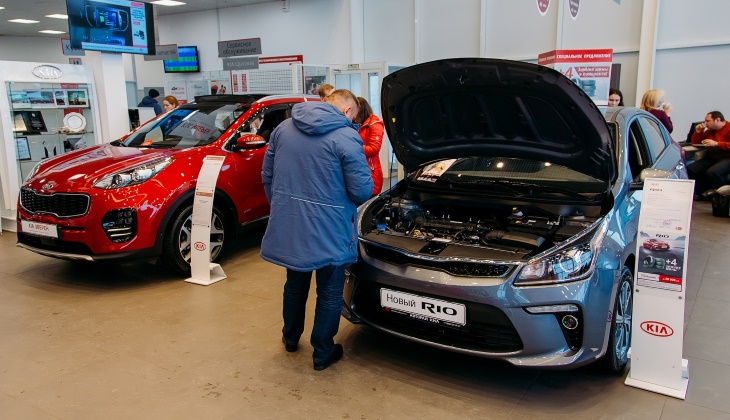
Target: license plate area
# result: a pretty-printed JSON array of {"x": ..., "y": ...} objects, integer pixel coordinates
[
  {"x": 423, "y": 308},
  {"x": 39, "y": 229}
]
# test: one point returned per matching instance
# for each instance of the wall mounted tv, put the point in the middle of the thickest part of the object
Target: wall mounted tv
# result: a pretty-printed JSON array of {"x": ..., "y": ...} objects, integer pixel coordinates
[
  {"x": 111, "y": 25},
  {"x": 187, "y": 61}
]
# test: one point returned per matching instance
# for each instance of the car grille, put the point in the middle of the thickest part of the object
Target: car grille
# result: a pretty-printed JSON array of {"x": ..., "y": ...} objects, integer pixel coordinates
[
  {"x": 487, "y": 328},
  {"x": 62, "y": 205},
  {"x": 456, "y": 268}
]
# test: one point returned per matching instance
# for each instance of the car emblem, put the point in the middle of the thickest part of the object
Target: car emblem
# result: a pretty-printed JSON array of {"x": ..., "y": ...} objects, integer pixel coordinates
[
  {"x": 45, "y": 71},
  {"x": 656, "y": 328},
  {"x": 47, "y": 187},
  {"x": 200, "y": 246}
]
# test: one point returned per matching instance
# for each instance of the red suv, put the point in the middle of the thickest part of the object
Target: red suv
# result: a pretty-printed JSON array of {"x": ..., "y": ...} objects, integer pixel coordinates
[{"x": 132, "y": 198}]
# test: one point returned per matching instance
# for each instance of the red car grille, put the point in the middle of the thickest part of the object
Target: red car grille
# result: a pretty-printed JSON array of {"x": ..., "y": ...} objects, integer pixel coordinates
[{"x": 61, "y": 205}]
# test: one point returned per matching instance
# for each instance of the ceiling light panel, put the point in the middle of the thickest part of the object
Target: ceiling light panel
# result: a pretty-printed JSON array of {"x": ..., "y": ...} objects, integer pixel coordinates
[
  {"x": 22, "y": 21},
  {"x": 57, "y": 16},
  {"x": 168, "y": 3},
  {"x": 50, "y": 31}
]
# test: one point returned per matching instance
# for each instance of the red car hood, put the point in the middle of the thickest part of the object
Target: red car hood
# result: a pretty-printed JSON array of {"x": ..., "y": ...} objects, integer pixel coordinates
[{"x": 83, "y": 168}]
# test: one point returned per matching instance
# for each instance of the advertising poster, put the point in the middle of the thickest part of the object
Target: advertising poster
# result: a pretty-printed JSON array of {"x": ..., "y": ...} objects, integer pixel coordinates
[
  {"x": 589, "y": 69},
  {"x": 239, "y": 80},
  {"x": 178, "y": 89},
  {"x": 433, "y": 171},
  {"x": 197, "y": 88},
  {"x": 221, "y": 85},
  {"x": 661, "y": 257},
  {"x": 22, "y": 149}
]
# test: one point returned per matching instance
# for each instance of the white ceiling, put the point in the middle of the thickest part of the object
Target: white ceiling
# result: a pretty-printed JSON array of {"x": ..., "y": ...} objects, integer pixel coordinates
[{"x": 38, "y": 9}]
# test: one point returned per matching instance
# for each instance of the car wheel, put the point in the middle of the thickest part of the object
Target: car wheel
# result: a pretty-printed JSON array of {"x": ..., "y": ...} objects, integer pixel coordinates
[
  {"x": 616, "y": 357},
  {"x": 178, "y": 239}
]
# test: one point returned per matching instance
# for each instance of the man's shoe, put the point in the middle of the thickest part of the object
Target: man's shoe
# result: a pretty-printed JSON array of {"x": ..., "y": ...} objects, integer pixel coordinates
[
  {"x": 336, "y": 355},
  {"x": 290, "y": 347}
]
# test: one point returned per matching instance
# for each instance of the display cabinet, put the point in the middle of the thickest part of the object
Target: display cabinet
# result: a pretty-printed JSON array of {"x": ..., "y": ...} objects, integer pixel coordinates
[{"x": 49, "y": 119}]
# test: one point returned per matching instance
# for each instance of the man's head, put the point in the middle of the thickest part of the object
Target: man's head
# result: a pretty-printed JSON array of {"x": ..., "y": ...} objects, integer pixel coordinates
[
  {"x": 153, "y": 93},
  {"x": 325, "y": 90},
  {"x": 345, "y": 101},
  {"x": 714, "y": 120}
]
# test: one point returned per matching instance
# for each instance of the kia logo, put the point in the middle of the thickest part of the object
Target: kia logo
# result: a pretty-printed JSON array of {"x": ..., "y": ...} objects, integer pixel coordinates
[
  {"x": 658, "y": 329},
  {"x": 200, "y": 246},
  {"x": 47, "y": 186}
]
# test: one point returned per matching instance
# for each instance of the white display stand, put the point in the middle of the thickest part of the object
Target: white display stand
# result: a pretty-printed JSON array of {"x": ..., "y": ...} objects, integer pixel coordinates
[
  {"x": 203, "y": 271},
  {"x": 660, "y": 287}
]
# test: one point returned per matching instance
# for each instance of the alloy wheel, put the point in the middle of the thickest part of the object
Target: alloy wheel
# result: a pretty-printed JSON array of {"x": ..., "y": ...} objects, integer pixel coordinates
[
  {"x": 217, "y": 235},
  {"x": 624, "y": 311}
]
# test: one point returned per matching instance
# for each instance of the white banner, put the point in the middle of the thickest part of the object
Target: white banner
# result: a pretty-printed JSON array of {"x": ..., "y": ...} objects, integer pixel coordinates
[{"x": 660, "y": 287}]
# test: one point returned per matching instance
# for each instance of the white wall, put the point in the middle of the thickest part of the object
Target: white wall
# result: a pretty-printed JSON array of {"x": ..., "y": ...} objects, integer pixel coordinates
[
  {"x": 515, "y": 29},
  {"x": 447, "y": 29},
  {"x": 390, "y": 31},
  {"x": 32, "y": 49}
]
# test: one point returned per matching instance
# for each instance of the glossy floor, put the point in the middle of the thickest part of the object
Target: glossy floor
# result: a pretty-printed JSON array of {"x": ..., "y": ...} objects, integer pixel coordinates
[{"x": 82, "y": 341}]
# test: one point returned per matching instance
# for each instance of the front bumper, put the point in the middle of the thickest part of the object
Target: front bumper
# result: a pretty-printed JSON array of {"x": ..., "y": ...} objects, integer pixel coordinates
[{"x": 498, "y": 325}]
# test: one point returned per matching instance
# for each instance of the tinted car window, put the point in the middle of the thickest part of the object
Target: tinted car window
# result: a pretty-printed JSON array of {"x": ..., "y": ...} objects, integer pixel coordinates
[
  {"x": 654, "y": 138},
  {"x": 189, "y": 126}
]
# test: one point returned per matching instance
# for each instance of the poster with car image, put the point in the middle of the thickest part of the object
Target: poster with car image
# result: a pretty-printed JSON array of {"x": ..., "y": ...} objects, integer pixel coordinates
[
  {"x": 661, "y": 260},
  {"x": 590, "y": 70}
]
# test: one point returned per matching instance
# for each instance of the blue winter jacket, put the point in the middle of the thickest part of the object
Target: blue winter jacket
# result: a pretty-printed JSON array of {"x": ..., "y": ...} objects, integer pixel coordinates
[
  {"x": 149, "y": 102},
  {"x": 315, "y": 175}
]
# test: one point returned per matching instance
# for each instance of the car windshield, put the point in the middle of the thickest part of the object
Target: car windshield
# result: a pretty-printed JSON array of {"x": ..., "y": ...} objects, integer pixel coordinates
[
  {"x": 518, "y": 177},
  {"x": 188, "y": 126}
]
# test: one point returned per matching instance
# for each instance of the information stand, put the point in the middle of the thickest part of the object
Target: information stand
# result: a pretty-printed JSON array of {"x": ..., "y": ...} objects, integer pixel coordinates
[
  {"x": 203, "y": 271},
  {"x": 660, "y": 287}
]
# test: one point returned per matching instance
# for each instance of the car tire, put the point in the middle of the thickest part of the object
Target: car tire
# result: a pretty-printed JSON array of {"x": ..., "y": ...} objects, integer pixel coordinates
[
  {"x": 619, "y": 342},
  {"x": 178, "y": 239}
]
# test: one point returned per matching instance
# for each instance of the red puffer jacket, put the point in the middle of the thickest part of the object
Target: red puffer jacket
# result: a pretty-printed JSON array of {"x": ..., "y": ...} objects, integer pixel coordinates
[{"x": 371, "y": 132}]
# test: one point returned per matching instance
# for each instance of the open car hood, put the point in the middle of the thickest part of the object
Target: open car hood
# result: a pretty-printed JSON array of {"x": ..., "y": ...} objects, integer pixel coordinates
[{"x": 486, "y": 107}]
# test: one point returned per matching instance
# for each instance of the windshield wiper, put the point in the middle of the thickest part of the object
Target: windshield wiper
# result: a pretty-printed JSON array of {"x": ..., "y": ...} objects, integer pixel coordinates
[{"x": 118, "y": 143}]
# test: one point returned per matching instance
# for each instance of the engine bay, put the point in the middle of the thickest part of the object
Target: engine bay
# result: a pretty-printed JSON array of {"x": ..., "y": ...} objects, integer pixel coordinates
[{"x": 463, "y": 226}]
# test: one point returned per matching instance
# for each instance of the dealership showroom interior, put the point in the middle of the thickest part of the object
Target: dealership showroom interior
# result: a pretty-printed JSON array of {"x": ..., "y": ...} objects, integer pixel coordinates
[{"x": 364, "y": 209}]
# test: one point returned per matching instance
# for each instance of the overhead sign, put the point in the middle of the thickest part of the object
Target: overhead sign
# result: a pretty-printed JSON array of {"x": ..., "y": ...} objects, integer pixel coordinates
[
  {"x": 239, "y": 47},
  {"x": 241, "y": 63},
  {"x": 163, "y": 52},
  {"x": 282, "y": 59},
  {"x": 589, "y": 69},
  {"x": 68, "y": 50},
  {"x": 660, "y": 287}
]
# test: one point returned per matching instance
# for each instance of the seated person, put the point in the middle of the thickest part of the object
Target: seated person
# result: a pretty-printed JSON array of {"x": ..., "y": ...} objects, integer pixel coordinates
[{"x": 711, "y": 171}]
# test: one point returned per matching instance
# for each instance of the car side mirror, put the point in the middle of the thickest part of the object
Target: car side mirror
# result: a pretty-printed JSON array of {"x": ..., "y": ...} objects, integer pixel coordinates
[
  {"x": 250, "y": 141},
  {"x": 650, "y": 173}
]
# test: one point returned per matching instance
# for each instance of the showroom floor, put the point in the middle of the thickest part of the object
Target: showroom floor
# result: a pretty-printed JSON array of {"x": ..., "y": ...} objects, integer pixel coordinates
[{"x": 82, "y": 341}]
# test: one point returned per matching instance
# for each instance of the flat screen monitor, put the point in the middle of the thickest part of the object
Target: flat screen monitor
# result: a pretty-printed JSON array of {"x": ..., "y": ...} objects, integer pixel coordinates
[
  {"x": 187, "y": 61},
  {"x": 123, "y": 26}
]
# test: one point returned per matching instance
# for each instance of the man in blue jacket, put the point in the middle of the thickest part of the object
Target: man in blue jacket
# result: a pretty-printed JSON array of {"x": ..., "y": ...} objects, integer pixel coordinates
[
  {"x": 315, "y": 175},
  {"x": 151, "y": 101}
]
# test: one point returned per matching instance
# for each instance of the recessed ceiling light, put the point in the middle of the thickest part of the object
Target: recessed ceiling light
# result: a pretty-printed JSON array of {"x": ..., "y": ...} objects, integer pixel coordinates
[
  {"x": 1, "y": 8},
  {"x": 57, "y": 16},
  {"x": 50, "y": 31},
  {"x": 23, "y": 21},
  {"x": 168, "y": 2}
]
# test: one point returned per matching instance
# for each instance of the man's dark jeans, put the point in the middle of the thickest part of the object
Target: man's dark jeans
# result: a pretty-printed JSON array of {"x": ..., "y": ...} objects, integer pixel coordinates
[
  {"x": 710, "y": 173},
  {"x": 330, "y": 282}
]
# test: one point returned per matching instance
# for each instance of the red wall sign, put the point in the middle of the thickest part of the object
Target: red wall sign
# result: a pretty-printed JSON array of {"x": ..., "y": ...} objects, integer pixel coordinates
[
  {"x": 542, "y": 6},
  {"x": 574, "y": 5}
]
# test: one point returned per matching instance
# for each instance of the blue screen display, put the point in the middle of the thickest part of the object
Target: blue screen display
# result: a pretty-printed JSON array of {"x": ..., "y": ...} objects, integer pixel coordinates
[{"x": 187, "y": 61}]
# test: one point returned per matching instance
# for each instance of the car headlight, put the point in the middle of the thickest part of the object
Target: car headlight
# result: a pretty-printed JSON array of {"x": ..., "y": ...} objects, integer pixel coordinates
[
  {"x": 575, "y": 261},
  {"x": 133, "y": 176},
  {"x": 33, "y": 171}
]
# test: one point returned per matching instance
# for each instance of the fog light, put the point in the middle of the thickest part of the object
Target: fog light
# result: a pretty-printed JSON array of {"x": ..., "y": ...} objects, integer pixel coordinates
[
  {"x": 570, "y": 322},
  {"x": 120, "y": 225}
]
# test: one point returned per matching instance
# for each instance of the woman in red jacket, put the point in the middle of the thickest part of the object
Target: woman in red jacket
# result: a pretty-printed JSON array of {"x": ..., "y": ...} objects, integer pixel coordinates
[{"x": 371, "y": 132}]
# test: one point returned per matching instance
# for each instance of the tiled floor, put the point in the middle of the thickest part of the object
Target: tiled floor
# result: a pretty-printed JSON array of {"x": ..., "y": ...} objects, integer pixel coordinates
[{"x": 81, "y": 341}]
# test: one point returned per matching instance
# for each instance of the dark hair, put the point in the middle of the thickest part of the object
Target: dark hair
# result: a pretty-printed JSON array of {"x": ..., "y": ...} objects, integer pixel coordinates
[
  {"x": 716, "y": 114},
  {"x": 153, "y": 93},
  {"x": 614, "y": 91},
  {"x": 364, "y": 110}
]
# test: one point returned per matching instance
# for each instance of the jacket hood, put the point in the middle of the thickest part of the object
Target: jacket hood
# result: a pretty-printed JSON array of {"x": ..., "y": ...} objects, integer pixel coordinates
[
  {"x": 147, "y": 101},
  {"x": 316, "y": 118},
  {"x": 465, "y": 107}
]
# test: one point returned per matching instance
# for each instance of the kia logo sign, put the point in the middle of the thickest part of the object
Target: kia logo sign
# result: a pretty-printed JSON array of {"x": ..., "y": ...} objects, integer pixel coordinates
[
  {"x": 200, "y": 246},
  {"x": 658, "y": 329}
]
